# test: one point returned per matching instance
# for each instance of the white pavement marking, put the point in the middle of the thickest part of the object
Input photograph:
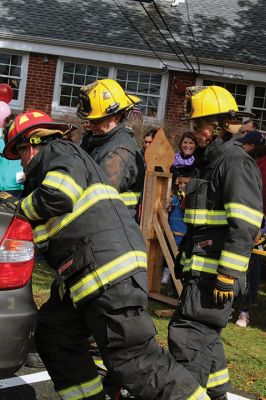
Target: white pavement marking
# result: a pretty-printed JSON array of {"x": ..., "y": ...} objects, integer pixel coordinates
[
  {"x": 43, "y": 376},
  {"x": 24, "y": 380},
  {"x": 232, "y": 396}
]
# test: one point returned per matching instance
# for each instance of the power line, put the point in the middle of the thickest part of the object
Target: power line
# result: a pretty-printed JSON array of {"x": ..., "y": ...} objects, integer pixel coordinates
[
  {"x": 192, "y": 35},
  {"x": 191, "y": 68},
  {"x": 140, "y": 34},
  {"x": 168, "y": 29}
]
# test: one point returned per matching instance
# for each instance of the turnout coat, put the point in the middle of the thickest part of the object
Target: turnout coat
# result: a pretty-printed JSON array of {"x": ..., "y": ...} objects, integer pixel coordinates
[{"x": 80, "y": 221}]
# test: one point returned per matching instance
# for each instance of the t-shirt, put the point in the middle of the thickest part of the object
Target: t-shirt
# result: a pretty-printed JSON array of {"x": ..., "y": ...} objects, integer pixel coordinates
[{"x": 8, "y": 171}]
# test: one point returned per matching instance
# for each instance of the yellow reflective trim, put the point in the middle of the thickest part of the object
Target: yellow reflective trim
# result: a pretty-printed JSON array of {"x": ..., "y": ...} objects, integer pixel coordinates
[
  {"x": 28, "y": 208},
  {"x": 201, "y": 264},
  {"x": 103, "y": 275},
  {"x": 233, "y": 261},
  {"x": 205, "y": 217},
  {"x": 218, "y": 378},
  {"x": 235, "y": 256},
  {"x": 247, "y": 214},
  {"x": 83, "y": 390},
  {"x": 199, "y": 394},
  {"x": 233, "y": 266},
  {"x": 64, "y": 183},
  {"x": 130, "y": 198},
  {"x": 90, "y": 197},
  {"x": 99, "y": 363}
]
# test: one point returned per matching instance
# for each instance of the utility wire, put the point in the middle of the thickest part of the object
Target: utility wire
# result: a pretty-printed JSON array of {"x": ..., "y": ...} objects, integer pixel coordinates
[
  {"x": 168, "y": 29},
  {"x": 192, "y": 35},
  {"x": 191, "y": 68},
  {"x": 140, "y": 34}
]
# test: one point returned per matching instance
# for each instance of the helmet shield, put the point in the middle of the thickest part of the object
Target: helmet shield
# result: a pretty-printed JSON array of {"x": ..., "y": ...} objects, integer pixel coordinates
[{"x": 84, "y": 104}]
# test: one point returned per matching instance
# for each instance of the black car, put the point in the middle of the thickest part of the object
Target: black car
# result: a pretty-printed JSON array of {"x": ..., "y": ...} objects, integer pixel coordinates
[{"x": 17, "y": 307}]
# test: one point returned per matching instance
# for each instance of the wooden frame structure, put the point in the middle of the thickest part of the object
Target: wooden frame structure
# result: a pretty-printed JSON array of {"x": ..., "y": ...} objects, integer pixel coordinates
[{"x": 159, "y": 238}]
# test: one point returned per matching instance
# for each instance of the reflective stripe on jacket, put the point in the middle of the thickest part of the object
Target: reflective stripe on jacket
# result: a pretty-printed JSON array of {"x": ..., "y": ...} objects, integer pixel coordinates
[
  {"x": 80, "y": 222},
  {"x": 223, "y": 212}
]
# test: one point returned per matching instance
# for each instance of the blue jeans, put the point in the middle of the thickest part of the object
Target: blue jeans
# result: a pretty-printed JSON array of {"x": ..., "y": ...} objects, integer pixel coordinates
[{"x": 253, "y": 280}]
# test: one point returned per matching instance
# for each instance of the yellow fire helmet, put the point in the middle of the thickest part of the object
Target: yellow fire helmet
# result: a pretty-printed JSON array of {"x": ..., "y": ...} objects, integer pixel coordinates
[
  {"x": 207, "y": 101},
  {"x": 103, "y": 98}
]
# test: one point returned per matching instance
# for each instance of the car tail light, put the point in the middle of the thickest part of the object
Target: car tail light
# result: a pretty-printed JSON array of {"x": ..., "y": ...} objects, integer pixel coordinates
[{"x": 16, "y": 255}]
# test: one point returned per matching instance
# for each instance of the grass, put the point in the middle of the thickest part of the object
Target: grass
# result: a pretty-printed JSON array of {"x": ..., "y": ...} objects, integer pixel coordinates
[
  {"x": 245, "y": 347},
  {"x": 42, "y": 278}
]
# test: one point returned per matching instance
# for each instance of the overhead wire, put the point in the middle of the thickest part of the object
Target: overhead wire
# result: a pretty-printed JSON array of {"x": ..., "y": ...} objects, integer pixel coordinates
[
  {"x": 169, "y": 31},
  {"x": 140, "y": 34},
  {"x": 192, "y": 35},
  {"x": 190, "y": 67}
]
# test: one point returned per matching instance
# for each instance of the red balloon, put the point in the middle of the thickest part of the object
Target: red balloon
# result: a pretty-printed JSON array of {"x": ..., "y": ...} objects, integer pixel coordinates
[{"x": 6, "y": 93}]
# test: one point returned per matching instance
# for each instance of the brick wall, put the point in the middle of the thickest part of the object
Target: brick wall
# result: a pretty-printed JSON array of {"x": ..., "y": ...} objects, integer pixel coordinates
[
  {"x": 40, "y": 83},
  {"x": 174, "y": 110}
]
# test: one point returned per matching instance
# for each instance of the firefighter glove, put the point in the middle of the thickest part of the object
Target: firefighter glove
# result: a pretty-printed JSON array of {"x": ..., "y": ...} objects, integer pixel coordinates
[
  {"x": 7, "y": 201},
  {"x": 223, "y": 289}
]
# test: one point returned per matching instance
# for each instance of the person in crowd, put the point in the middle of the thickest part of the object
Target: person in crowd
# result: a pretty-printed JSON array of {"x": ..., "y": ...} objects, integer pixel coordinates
[
  {"x": 254, "y": 144},
  {"x": 88, "y": 237},
  {"x": 11, "y": 172},
  {"x": 147, "y": 140},
  {"x": 223, "y": 213},
  {"x": 176, "y": 210},
  {"x": 104, "y": 106},
  {"x": 249, "y": 125},
  {"x": 185, "y": 157},
  {"x": 181, "y": 169},
  {"x": 134, "y": 122}
]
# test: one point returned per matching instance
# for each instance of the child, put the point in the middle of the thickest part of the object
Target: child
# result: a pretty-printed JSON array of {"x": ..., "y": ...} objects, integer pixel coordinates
[{"x": 176, "y": 210}]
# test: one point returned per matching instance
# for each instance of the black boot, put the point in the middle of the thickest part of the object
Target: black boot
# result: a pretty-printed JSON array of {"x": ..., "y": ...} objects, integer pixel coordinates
[{"x": 34, "y": 361}]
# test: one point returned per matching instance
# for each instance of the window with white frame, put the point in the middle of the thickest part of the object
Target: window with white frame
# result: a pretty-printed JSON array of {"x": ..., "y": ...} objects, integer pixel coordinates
[
  {"x": 12, "y": 72},
  {"x": 259, "y": 105},
  {"x": 249, "y": 97},
  {"x": 76, "y": 75},
  {"x": 239, "y": 91},
  {"x": 145, "y": 85},
  {"x": 148, "y": 86}
]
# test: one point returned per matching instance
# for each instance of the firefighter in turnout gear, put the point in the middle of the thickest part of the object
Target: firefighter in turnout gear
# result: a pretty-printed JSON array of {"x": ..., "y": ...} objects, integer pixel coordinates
[
  {"x": 223, "y": 214},
  {"x": 89, "y": 238},
  {"x": 103, "y": 105}
]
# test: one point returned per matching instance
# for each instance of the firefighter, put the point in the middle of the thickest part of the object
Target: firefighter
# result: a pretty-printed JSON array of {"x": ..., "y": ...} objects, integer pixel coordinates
[
  {"x": 104, "y": 106},
  {"x": 88, "y": 237},
  {"x": 223, "y": 213}
]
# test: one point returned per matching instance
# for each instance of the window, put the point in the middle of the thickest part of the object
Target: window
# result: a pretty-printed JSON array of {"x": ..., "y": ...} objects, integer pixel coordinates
[
  {"x": 13, "y": 71},
  {"x": 239, "y": 91},
  {"x": 76, "y": 75},
  {"x": 149, "y": 86},
  {"x": 250, "y": 98},
  {"x": 145, "y": 85},
  {"x": 259, "y": 106}
]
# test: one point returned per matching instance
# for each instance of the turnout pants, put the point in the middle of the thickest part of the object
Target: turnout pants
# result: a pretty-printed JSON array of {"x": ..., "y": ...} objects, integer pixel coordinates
[
  {"x": 124, "y": 332},
  {"x": 194, "y": 336}
]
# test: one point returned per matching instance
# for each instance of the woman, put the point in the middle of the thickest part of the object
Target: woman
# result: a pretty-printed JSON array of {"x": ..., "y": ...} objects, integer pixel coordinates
[
  {"x": 185, "y": 157},
  {"x": 182, "y": 169}
]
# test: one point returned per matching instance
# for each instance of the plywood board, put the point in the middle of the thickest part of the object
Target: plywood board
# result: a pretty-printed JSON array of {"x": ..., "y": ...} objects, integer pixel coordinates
[{"x": 159, "y": 156}]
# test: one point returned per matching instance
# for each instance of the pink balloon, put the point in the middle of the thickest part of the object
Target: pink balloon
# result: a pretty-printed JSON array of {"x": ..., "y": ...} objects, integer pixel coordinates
[
  {"x": 4, "y": 112},
  {"x": 6, "y": 93}
]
